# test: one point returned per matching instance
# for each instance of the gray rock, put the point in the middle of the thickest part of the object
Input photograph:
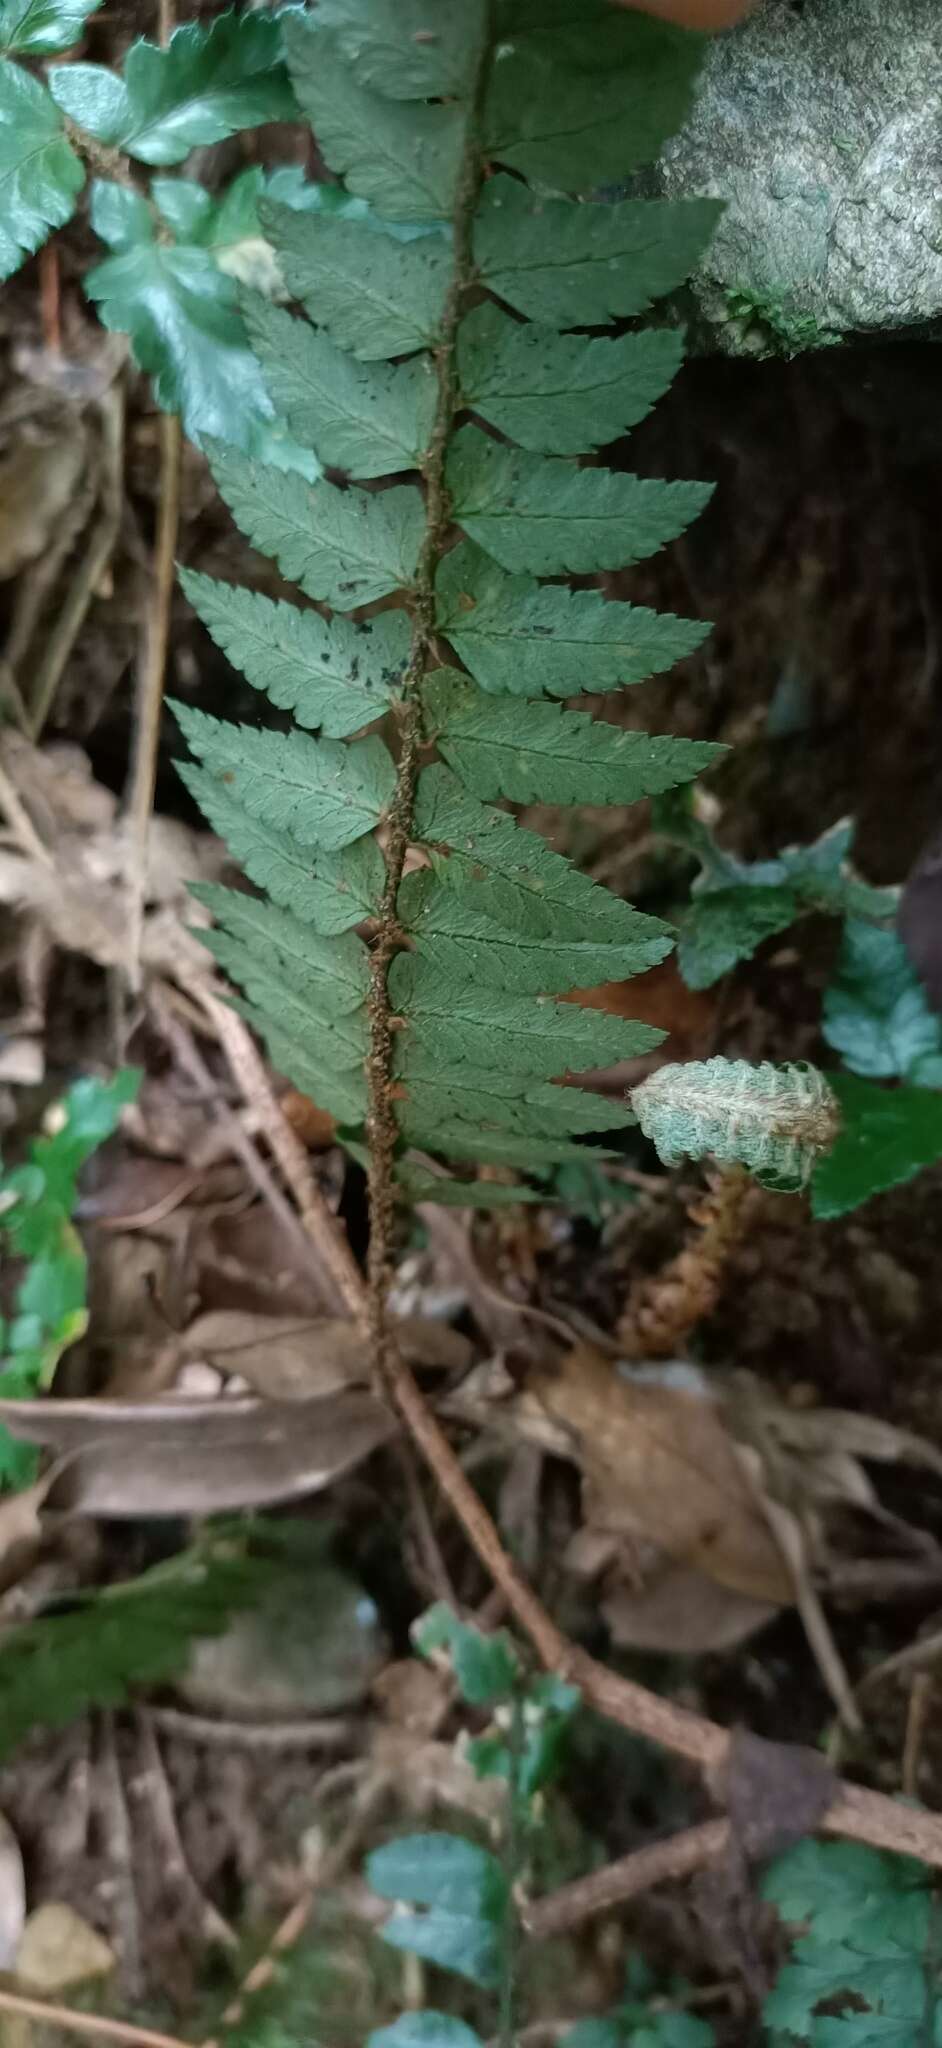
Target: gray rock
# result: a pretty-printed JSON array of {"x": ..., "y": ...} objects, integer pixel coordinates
[
  {"x": 821, "y": 126},
  {"x": 312, "y": 1648}
]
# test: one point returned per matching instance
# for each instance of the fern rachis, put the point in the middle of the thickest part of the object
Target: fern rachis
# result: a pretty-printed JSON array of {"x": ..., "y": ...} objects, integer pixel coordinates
[{"x": 442, "y": 374}]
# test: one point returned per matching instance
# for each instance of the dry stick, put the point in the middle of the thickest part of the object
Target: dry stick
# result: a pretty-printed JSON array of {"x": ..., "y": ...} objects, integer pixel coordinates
[
  {"x": 270, "y": 1737},
  {"x": 91, "y": 568},
  {"x": 21, "y": 825},
  {"x": 191, "y": 1058},
  {"x": 151, "y": 1785},
  {"x": 34, "y": 592},
  {"x": 320, "y": 1226},
  {"x": 150, "y": 692},
  {"x": 678, "y": 1856},
  {"x": 87, "y": 2023}
]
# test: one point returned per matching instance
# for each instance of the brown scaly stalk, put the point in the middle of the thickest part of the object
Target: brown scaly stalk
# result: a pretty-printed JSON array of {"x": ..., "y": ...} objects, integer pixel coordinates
[{"x": 382, "y": 1130}]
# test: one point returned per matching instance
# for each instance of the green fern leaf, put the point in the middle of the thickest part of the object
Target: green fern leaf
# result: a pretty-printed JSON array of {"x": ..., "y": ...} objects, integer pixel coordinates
[
  {"x": 322, "y": 792},
  {"x": 371, "y": 422},
  {"x": 298, "y": 1048},
  {"x": 403, "y": 159},
  {"x": 418, "y": 1184},
  {"x": 36, "y": 28},
  {"x": 40, "y": 174},
  {"x": 346, "y": 887},
  {"x": 347, "y": 547},
  {"x": 450, "y": 1106},
  {"x": 564, "y": 758},
  {"x": 373, "y": 296},
  {"x": 328, "y": 975},
  {"x": 452, "y": 928},
  {"x": 212, "y": 79},
  {"x": 179, "y": 307},
  {"x": 521, "y": 886},
  {"x": 526, "y": 638},
  {"x": 538, "y": 513},
  {"x": 334, "y": 677},
  {"x": 543, "y": 1038},
  {"x": 580, "y": 266},
  {"x": 559, "y": 394},
  {"x": 387, "y": 44},
  {"x": 579, "y": 104}
]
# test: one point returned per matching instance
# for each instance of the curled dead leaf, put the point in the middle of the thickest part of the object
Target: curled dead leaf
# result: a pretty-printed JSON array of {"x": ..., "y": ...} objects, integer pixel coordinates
[
  {"x": 291, "y": 1358},
  {"x": 681, "y": 1610},
  {"x": 179, "y": 1456},
  {"x": 658, "y": 1462}
]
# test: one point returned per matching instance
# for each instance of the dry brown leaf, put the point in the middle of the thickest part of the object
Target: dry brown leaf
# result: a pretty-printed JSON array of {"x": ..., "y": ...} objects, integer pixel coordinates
[
  {"x": 179, "y": 1456},
  {"x": 658, "y": 1462},
  {"x": 21, "y": 1529},
  {"x": 286, "y": 1358},
  {"x": 684, "y": 1613},
  {"x": 290, "y": 1358},
  {"x": 79, "y": 894},
  {"x": 39, "y": 475}
]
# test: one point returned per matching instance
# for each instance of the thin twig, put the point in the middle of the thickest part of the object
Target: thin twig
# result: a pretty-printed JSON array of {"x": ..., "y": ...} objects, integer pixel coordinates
[
  {"x": 150, "y": 691},
  {"x": 112, "y": 1806},
  {"x": 191, "y": 1058},
  {"x": 21, "y": 824},
  {"x": 87, "y": 2022},
  {"x": 334, "y": 1256},
  {"x": 91, "y": 568},
  {"x": 151, "y": 1785},
  {"x": 656, "y": 1863},
  {"x": 269, "y": 1736},
  {"x": 34, "y": 592},
  {"x": 920, "y": 1695}
]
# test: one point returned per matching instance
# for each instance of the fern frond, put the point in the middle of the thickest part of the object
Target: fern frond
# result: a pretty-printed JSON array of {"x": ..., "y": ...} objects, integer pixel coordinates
[
  {"x": 539, "y": 1038},
  {"x": 346, "y": 887},
  {"x": 473, "y": 925},
  {"x": 403, "y": 157},
  {"x": 580, "y": 97}
]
